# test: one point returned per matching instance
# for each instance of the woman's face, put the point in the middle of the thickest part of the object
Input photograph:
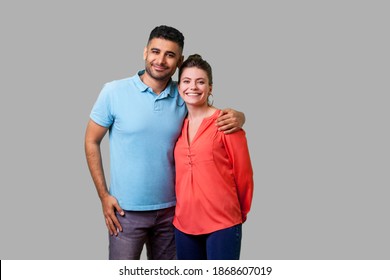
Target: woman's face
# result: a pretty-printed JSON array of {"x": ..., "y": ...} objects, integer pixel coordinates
[{"x": 194, "y": 86}]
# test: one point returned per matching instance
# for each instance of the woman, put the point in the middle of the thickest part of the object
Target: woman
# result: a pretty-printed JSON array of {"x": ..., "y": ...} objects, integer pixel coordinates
[{"x": 214, "y": 177}]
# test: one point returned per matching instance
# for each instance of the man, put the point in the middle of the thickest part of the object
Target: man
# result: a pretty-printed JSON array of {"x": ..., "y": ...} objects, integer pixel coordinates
[{"x": 143, "y": 115}]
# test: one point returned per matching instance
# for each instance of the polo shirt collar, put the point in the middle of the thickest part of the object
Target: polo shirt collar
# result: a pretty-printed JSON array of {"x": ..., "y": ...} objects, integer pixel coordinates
[
  {"x": 170, "y": 90},
  {"x": 138, "y": 82}
]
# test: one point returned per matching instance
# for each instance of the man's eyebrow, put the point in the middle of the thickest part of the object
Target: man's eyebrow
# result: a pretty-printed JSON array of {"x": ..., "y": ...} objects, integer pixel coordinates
[{"x": 169, "y": 52}]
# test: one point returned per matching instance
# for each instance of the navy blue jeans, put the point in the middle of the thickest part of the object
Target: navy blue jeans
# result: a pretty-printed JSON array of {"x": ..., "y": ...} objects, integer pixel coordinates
[{"x": 223, "y": 244}]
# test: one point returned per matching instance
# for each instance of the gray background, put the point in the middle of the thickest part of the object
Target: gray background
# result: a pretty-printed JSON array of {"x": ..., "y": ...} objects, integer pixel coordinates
[{"x": 311, "y": 76}]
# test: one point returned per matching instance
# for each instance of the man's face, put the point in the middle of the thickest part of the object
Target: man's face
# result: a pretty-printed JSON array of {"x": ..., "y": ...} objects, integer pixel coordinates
[{"x": 162, "y": 57}]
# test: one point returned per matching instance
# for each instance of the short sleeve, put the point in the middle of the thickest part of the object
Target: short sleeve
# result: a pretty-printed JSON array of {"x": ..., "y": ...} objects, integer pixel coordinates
[{"x": 101, "y": 112}]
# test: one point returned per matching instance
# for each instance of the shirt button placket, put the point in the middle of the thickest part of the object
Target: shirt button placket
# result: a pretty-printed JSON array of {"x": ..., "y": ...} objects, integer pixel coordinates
[
  {"x": 189, "y": 155},
  {"x": 157, "y": 105},
  {"x": 189, "y": 158}
]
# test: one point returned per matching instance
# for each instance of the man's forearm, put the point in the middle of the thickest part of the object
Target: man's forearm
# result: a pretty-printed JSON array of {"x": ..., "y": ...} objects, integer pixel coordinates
[{"x": 95, "y": 165}]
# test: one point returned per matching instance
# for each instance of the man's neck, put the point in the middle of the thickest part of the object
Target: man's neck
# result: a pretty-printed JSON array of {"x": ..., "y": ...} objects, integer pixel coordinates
[{"x": 156, "y": 85}]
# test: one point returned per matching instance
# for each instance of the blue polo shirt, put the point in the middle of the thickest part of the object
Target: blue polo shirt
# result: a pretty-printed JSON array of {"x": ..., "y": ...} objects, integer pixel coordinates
[{"x": 143, "y": 129}]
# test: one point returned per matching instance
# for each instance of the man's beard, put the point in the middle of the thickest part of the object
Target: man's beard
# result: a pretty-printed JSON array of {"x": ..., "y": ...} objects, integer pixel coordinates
[{"x": 158, "y": 76}]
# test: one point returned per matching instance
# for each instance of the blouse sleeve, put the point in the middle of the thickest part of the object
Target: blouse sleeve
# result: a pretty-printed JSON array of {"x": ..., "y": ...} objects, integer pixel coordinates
[{"x": 237, "y": 149}]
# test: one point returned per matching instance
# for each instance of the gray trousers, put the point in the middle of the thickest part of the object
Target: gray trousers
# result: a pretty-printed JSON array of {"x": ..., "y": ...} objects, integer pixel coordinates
[{"x": 153, "y": 228}]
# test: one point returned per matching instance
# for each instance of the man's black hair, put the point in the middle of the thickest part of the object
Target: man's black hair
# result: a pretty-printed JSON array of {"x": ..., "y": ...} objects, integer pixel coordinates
[{"x": 167, "y": 33}]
